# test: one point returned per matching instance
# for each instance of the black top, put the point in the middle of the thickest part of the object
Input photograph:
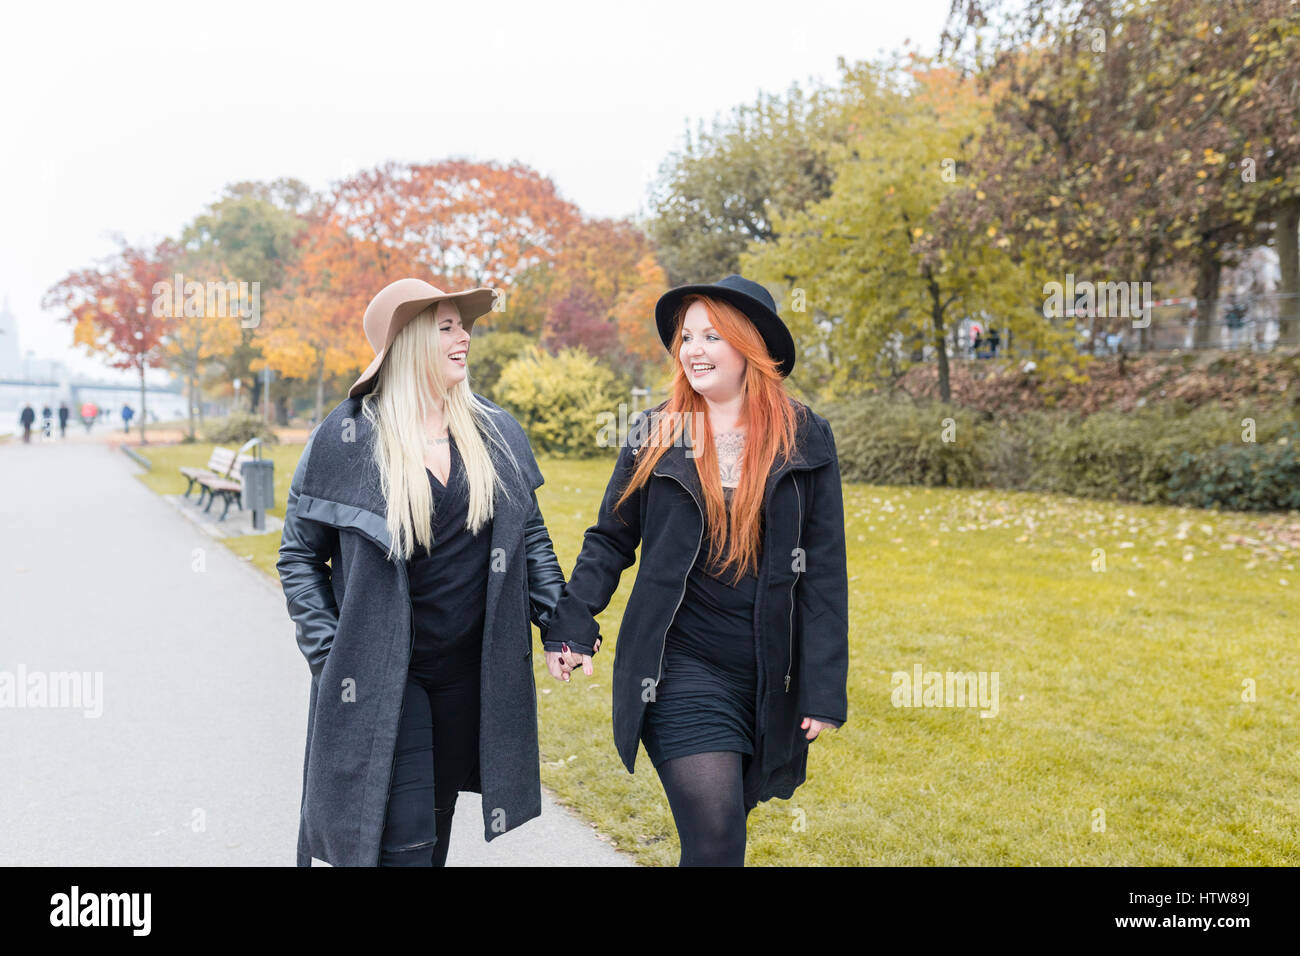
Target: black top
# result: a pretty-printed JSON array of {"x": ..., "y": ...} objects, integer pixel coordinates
[
  {"x": 449, "y": 584},
  {"x": 715, "y": 621}
]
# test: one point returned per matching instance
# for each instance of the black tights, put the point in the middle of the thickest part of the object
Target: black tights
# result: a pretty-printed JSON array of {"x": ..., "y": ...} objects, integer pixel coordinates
[
  {"x": 707, "y": 797},
  {"x": 438, "y": 730}
]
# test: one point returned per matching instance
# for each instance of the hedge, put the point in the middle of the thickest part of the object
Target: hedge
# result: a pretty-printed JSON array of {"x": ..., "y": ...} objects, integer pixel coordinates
[{"x": 1166, "y": 454}]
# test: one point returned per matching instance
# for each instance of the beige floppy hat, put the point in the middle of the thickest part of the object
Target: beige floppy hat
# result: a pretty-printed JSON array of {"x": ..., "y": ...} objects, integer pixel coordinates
[{"x": 398, "y": 303}]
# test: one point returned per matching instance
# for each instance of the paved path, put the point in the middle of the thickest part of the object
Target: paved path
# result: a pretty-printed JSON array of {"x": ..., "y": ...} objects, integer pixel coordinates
[{"x": 196, "y": 758}]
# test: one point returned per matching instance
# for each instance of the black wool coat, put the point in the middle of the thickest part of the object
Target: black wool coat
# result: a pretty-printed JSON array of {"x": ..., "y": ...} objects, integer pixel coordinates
[
  {"x": 801, "y": 608},
  {"x": 355, "y": 628}
]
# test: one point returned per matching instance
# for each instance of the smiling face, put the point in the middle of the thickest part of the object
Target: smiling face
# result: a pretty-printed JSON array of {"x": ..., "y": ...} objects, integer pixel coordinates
[
  {"x": 453, "y": 343},
  {"x": 713, "y": 367}
]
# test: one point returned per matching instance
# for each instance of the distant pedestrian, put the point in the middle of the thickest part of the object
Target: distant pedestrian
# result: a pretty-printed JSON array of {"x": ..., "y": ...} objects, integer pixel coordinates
[
  {"x": 47, "y": 423},
  {"x": 127, "y": 414},
  {"x": 979, "y": 340},
  {"x": 89, "y": 412},
  {"x": 63, "y": 419},
  {"x": 26, "y": 419},
  {"x": 995, "y": 339}
]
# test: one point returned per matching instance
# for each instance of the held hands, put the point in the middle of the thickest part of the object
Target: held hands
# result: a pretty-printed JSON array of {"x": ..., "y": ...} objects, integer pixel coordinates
[
  {"x": 562, "y": 663},
  {"x": 815, "y": 727}
]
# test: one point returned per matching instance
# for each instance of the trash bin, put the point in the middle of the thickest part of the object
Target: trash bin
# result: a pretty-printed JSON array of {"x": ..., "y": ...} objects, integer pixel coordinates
[{"x": 259, "y": 489}]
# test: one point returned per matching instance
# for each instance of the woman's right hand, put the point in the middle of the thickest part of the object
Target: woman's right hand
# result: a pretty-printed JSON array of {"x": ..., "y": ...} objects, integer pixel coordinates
[
  {"x": 557, "y": 665},
  {"x": 562, "y": 663}
]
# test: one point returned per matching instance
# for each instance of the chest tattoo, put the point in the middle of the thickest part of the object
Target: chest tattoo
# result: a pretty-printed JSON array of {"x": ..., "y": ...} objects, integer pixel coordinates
[{"x": 731, "y": 448}]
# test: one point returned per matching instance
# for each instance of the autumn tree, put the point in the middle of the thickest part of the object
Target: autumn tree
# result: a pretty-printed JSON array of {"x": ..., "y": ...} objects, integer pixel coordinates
[
  {"x": 247, "y": 235},
  {"x": 208, "y": 322},
  {"x": 459, "y": 224},
  {"x": 112, "y": 309},
  {"x": 456, "y": 224},
  {"x": 726, "y": 186},
  {"x": 312, "y": 328},
  {"x": 633, "y": 312},
  {"x": 873, "y": 266},
  {"x": 1135, "y": 137},
  {"x": 579, "y": 319},
  {"x": 605, "y": 270}
]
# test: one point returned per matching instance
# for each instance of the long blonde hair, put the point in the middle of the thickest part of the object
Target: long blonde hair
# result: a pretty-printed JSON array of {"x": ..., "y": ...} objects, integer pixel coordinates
[{"x": 405, "y": 387}]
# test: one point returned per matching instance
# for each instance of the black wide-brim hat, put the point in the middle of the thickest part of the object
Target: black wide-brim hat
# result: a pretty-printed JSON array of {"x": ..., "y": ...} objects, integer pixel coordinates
[{"x": 750, "y": 298}]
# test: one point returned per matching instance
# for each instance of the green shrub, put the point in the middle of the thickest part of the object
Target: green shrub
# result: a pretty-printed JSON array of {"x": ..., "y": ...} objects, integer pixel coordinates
[
  {"x": 1012, "y": 447},
  {"x": 891, "y": 443},
  {"x": 489, "y": 353},
  {"x": 1240, "y": 477},
  {"x": 1107, "y": 455},
  {"x": 237, "y": 429},
  {"x": 1133, "y": 456},
  {"x": 1166, "y": 454},
  {"x": 559, "y": 399}
]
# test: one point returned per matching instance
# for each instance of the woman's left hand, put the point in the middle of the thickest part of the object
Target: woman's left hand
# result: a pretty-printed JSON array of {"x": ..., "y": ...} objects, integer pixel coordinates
[{"x": 815, "y": 727}]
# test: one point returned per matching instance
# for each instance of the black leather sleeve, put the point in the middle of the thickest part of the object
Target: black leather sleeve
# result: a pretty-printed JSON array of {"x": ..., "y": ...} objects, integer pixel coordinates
[
  {"x": 545, "y": 579},
  {"x": 305, "y": 547}
]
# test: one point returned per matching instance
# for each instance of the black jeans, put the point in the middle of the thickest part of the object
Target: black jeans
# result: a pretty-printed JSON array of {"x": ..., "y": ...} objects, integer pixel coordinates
[{"x": 437, "y": 754}]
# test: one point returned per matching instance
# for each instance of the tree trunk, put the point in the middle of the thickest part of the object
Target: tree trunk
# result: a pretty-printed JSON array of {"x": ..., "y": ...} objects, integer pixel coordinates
[
  {"x": 1207, "y": 293},
  {"x": 189, "y": 402},
  {"x": 320, "y": 390},
  {"x": 1144, "y": 331},
  {"x": 940, "y": 342},
  {"x": 143, "y": 411},
  {"x": 1288, "y": 253}
]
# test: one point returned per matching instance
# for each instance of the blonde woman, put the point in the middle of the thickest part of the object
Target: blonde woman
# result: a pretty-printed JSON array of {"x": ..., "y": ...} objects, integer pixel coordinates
[{"x": 420, "y": 495}]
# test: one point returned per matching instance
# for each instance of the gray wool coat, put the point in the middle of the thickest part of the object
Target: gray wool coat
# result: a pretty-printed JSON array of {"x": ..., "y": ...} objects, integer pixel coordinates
[{"x": 355, "y": 627}]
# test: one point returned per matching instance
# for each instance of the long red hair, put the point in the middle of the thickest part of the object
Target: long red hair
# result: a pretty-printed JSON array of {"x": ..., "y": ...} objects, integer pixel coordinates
[{"x": 770, "y": 426}]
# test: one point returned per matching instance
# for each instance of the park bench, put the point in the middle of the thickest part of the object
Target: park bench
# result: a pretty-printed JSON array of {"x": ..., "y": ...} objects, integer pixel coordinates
[
  {"x": 222, "y": 477},
  {"x": 220, "y": 465}
]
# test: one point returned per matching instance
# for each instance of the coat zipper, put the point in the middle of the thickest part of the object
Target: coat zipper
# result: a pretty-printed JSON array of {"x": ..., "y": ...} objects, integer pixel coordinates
[
  {"x": 798, "y": 539},
  {"x": 664, "y": 643}
]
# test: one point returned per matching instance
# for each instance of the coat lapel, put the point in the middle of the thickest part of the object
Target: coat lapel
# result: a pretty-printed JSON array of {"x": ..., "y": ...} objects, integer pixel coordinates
[
  {"x": 344, "y": 488},
  {"x": 342, "y": 485}
]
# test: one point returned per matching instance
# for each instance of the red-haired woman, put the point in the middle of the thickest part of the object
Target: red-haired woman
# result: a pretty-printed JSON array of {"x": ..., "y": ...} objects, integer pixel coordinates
[{"x": 732, "y": 653}]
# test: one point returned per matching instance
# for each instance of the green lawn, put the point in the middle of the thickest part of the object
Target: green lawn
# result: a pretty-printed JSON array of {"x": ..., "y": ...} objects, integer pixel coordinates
[{"x": 1120, "y": 690}]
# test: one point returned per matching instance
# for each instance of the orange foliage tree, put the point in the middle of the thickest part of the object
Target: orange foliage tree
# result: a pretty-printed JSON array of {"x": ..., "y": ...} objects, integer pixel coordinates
[
  {"x": 608, "y": 265},
  {"x": 111, "y": 308},
  {"x": 312, "y": 328},
  {"x": 458, "y": 224}
]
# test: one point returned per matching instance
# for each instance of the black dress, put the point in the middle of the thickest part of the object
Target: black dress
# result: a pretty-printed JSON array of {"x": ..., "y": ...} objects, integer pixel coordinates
[
  {"x": 449, "y": 584},
  {"x": 706, "y": 698},
  {"x": 436, "y": 754}
]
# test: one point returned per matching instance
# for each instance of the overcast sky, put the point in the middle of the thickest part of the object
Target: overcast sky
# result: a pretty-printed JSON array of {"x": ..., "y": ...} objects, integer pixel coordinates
[{"x": 130, "y": 117}]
